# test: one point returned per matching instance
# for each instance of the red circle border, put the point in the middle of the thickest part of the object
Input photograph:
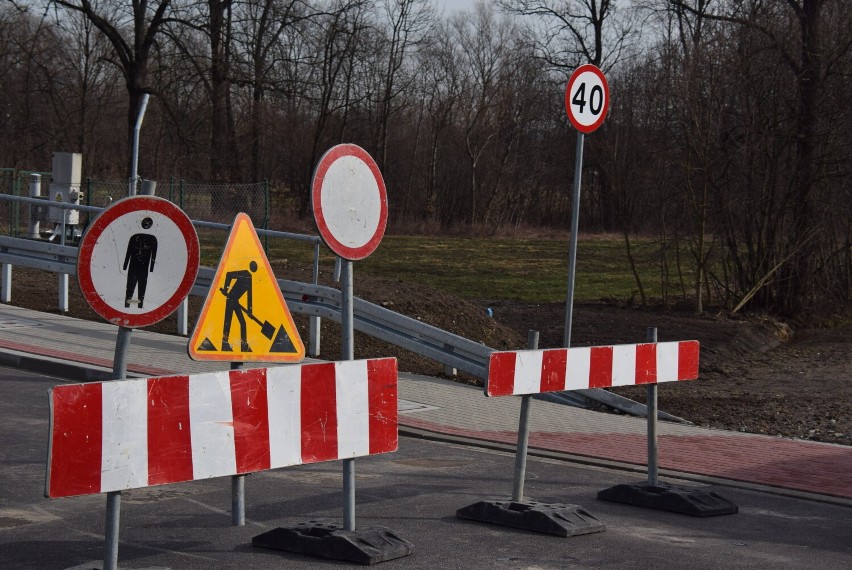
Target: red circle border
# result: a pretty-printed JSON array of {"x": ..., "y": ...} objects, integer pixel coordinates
[
  {"x": 94, "y": 231},
  {"x": 334, "y": 153},
  {"x": 586, "y": 129}
]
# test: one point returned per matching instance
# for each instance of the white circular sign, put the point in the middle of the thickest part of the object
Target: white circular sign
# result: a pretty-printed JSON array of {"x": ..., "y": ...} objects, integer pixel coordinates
[
  {"x": 587, "y": 98},
  {"x": 350, "y": 202},
  {"x": 138, "y": 260}
]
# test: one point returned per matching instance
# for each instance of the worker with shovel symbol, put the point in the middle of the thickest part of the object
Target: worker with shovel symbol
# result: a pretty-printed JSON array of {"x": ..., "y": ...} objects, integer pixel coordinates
[{"x": 237, "y": 284}]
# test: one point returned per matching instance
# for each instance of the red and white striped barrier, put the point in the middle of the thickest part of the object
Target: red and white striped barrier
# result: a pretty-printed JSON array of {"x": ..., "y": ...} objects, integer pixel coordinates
[
  {"x": 537, "y": 371},
  {"x": 125, "y": 434}
]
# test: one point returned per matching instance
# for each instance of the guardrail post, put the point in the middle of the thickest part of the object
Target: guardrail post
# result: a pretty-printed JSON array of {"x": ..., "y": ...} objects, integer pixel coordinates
[
  {"x": 449, "y": 370},
  {"x": 6, "y": 285},
  {"x": 183, "y": 318}
]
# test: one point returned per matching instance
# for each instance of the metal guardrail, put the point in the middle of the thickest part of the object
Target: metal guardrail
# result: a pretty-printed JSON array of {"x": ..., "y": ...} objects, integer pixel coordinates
[{"x": 314, "y": 300}]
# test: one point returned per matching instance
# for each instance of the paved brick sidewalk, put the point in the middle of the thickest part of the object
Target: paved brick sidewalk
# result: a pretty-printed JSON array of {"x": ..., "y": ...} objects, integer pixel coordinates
[{"x": 450, "y": 409}]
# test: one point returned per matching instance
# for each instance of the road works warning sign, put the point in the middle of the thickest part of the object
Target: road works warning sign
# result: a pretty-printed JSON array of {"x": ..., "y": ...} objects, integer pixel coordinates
[{"x": 245, "y": 317}]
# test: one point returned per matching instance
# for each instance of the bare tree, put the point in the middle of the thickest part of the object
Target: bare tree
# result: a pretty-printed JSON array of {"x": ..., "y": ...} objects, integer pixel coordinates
[
  {"x": 570, "y": 33},
  {"x": 132, "y": 30},
  {"x": 794, "y": 30},
  {"x": 408, "y": 21}
]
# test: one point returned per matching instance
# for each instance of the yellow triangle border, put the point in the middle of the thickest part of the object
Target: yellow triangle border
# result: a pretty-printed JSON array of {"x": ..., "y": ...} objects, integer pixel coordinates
[{"x": 289, "y": 325}]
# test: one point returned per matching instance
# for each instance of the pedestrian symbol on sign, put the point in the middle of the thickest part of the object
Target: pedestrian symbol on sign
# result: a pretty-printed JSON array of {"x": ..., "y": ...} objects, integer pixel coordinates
[
  {"x": 118, "y": 254},
  {"x": 140, "y": 257}
]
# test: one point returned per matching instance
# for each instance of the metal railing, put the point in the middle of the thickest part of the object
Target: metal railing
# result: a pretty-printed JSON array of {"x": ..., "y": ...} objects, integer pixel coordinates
[{"x": 316, "y": 301}]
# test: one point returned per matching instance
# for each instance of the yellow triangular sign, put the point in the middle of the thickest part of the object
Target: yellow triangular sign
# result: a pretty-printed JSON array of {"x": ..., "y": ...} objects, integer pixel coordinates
[{"x": 245, "y": 317}]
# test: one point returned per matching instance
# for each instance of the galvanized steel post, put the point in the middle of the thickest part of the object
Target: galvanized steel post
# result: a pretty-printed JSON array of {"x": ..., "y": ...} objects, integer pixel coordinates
[
  {"x": 134, "y": 174},
  {"x": 523, "y": 434},
  {"x": 238, "y": 486},
  {"x": 113, "y": 515},
  {"x": 122, "y": 344},
  {"x": 35, "y": 192},
  {"x": 651, "y": 406},
  {"x": 113, "y": 506},
  {"x": 63, "y": 277},
  {"x": 347, "y": 352},
  {"x": 313, "y": 320},
  {"x": 575, "y": 228}
]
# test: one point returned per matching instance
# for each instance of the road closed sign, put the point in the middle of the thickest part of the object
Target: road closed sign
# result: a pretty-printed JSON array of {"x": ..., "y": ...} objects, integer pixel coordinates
[
  {"x": 587, "y": 98},
  {"x": 350, "y": 201},
  {"x": 137, "y": 261}
]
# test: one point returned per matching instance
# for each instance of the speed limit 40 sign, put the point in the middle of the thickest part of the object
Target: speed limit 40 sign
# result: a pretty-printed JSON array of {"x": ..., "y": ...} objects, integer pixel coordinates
[{"x": 587, "y": 98}]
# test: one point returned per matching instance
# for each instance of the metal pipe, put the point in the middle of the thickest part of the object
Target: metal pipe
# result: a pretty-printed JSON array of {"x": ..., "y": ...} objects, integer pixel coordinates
[
  {"x": 122, "y": 345},
  {"x": 575, "y": 227},
  {"x": 238, "y": 500},
  {"x": 523, "y": 434},
  {"x": 347, "y": 352},
  {"x": 314, "y": 327},
  {"x": 6, "y": 285},
  {"x": 113, "y": 508},
  {"x": 238, "y": 486},
  {"x": 113, "y": 514},
  {"x": 651, "y": 406},
  {"x": 131, "y": 190},
  {"x": 347, "y": 349},
  {"x": 35, "y": 192},
  {"x": 62, "y": 285}
]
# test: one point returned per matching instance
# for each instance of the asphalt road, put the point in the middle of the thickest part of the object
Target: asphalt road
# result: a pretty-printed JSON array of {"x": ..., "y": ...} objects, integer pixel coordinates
[{"x": 414, "y": 492}]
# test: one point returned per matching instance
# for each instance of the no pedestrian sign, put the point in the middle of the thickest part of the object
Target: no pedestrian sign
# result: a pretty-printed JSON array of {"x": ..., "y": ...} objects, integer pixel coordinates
[
  {"x": 138, "y": 261},
  {"x": 587, "y": 98}
]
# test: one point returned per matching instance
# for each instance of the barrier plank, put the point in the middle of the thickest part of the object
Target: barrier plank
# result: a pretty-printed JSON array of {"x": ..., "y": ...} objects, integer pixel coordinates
[
  {"x": 552, "y": 370},
  {"x": 125, "y": 434}
]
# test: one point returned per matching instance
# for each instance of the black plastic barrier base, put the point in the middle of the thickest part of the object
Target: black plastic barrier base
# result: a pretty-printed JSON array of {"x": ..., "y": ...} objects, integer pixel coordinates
[
  {"x": 556, "y": 519},
  {"x": 364, "y": 545},
  {"x": 694, "y": 501}
]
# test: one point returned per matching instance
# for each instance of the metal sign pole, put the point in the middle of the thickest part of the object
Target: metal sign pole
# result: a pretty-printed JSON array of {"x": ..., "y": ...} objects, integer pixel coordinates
[
  {"x": 113, "y": 512},
  {"x": 113, "y": 506},
  {"x": 131, "y": 189},
  {"x": 347, "y": 352},
  {"x": 238, "y": 486},
  {"x": 651, "y": 407},
  {"x": 523, "y": 433},
  {"x": 575, "y": 225}
]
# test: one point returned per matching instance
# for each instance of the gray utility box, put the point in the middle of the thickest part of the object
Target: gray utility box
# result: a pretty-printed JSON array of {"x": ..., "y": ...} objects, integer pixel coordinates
[{"x": 65, "y": 186}]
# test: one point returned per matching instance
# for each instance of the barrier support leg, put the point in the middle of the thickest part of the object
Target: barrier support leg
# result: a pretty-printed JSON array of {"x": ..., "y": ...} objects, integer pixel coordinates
[
  {"x": 523, "y": 433},
  {"x": 238, "y": 500},
  {"x": 113, "y": 514},
  {"x": 548, "y": 518},
  {"x": 698, "y": 501},
  {"x": 367, "y": 545},
  {"x": 238, "y": 486},
  {"x": 314, "y": 328}
]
